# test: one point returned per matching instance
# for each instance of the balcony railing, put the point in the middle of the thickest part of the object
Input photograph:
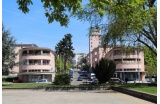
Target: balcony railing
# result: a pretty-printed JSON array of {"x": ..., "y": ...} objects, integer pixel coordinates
[
  {"x": 37, "y": 64},
  {"x": 44, "y": 54}
]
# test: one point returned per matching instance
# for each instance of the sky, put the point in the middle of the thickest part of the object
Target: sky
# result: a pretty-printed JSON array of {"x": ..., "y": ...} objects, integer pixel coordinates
[{"x": 33, "y": 27}]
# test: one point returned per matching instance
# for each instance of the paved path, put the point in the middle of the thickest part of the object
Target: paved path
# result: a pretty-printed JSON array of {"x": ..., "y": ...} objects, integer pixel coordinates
[{"x": 64, "y": 97}]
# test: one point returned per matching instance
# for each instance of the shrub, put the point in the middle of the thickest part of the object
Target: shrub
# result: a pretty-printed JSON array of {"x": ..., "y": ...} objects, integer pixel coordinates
[{"x": 62, "y": 79}]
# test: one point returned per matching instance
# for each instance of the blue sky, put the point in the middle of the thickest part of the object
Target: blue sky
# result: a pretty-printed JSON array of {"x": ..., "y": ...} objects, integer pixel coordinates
[{"x": 33, "y": 27}]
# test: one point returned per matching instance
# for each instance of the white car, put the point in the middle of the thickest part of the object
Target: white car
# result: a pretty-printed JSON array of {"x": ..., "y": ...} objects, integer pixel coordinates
[
  {"x": 42, "y": 81},
  {"x": 116, "y": 80}
]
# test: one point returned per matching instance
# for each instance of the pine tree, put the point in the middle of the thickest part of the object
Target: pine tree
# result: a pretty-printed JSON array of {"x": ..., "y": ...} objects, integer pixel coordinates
[
  {"x": 65, "y": 49},
  {"x": 8, "y": 53}
]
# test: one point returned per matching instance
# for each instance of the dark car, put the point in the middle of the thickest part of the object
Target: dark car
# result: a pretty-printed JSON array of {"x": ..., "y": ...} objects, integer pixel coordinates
[
  {"x": 80, "y": 78},
  {"x": 94, "y": 81},
  {"x": 71, "y": 74}
]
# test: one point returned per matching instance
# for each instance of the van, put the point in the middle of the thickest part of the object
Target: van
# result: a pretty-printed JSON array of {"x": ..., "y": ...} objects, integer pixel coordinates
[{"x": 91, "y": 75}]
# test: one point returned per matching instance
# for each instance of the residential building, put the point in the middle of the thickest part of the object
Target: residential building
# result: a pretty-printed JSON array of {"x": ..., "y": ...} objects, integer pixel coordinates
[
  {"x": 36, "y": 63},
  {"x": 128, "y": 64},
  {"x": 76, "y": 61},
  {"x": 94, "y": 41},
  {"x": 96, "y": 55}
]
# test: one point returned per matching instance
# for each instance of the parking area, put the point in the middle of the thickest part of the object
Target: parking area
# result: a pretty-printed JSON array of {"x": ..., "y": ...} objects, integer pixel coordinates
[{"x": 64, "y": 97}]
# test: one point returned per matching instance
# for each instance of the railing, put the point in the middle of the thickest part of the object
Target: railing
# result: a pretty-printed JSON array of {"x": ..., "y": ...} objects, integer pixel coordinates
[
  {"x": 44, "y": 54},
  {"x": 37, "y": 64}
]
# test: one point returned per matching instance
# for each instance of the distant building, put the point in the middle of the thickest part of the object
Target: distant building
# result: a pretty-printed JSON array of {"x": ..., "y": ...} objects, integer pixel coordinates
[
  {"x": 96, "y": 54},
  {"x": 36, "y": 63},
  {"x": 95, "y": 39},
  {"x": 130, "y": 66},
  {"x": 76, "y": 61}
]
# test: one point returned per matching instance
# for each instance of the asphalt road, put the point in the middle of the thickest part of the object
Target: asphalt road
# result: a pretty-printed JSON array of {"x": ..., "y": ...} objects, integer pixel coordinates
[
  {"x": 64, "y": 97},
  {"x": 75, "y": 77}
]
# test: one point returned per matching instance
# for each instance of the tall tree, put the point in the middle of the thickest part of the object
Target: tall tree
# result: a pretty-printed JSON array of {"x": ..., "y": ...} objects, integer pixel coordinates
[
  {"x": 121, "y": 20},
  {"x": 8, "y": 53},
  {"x": 55, "y": 10},
  {"x": 104, "y": 70},
  {"x": 59, "y": 64},
  {"x": 150, "y": 61},
  {"x": 65, "y": 49},
  {"x": 126, "y": 21}
]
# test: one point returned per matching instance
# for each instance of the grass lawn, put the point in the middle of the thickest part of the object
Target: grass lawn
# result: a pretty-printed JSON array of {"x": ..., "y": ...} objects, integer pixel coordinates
[
  {"x": 141, "y": 88},
  {"x": 137, "y": 87},
  {"x": 25, "y": 85}
]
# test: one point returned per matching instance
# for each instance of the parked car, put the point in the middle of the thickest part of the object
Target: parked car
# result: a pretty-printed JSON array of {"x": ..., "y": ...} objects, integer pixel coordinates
[
  {"x": 91, "y": 75},
  {"x": 71, "y": 74},
  {"x": 116, "y": 80},
  {"x": 42, "y": 81},
  {"x": 80, "y": 78},
  {"x": 94, "y": 81}
]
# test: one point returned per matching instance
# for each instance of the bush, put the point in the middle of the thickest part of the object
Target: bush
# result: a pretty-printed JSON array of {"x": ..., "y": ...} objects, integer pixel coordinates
[
  {"x": 4, "y": 79},
  {"x": 62, "y": 79}
]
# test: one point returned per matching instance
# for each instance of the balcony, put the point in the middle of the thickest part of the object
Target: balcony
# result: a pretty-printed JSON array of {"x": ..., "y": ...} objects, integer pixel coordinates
[
  {"x": 36, "y": 66},
  {"x": 126, "y": 57},
  {"x": 38, "y": 54},
  {"x": 36, "y": 57},
  {"x": 128, "y": 66}
]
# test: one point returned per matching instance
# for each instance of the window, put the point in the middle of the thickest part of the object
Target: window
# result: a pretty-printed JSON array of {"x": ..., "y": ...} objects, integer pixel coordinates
[{"x": 95, "y": 53}]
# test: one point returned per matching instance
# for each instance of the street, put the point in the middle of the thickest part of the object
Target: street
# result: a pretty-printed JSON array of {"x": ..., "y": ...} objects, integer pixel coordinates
[{"x": 75, "y": 77}]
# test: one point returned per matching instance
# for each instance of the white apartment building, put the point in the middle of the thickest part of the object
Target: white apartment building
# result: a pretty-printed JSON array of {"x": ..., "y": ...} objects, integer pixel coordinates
[{"x": 77, "y": 58}]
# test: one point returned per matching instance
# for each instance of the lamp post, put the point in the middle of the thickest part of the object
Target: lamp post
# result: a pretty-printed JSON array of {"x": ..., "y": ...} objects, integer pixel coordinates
[{"x": 138, "y": 62}]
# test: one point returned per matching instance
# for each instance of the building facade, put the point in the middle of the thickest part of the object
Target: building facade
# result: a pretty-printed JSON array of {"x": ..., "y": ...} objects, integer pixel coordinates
[
  {"x": 76, "y": 61},
  {"x": 36, "y": 63},
  {"x": 129, "y": 63},
  {"x": 96, "y": 54},
  {"x": 130, "y": 66},
  {"x": 95, "y": 38}
]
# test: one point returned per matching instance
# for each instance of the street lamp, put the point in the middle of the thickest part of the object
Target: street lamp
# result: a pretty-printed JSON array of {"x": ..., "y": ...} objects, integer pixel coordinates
[{"x": 138, "y": 62}]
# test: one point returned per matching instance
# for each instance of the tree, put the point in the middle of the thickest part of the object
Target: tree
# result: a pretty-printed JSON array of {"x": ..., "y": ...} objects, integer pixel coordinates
[
  {"x": 150, "y": 61},
  {"x": 126, "y": 22},
  {"x": 65, "y": 49},
  {"x": 8, "y": 53},
  {"x": 55, "y": 10},
  {"x": 133, "y": 20},
  {"x": 59, "y": 64},
  {"x": 104, "y": 70}
]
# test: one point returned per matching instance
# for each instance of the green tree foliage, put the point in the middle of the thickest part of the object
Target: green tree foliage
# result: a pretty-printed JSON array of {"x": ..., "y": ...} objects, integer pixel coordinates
[
  {"x": 59, "y": 65},
  {"x": 68, "y": 65},
  {"x": 133, "y": 20},
  {"x": 65, "y": 49},
  {"x": 150, "y": 61},
  {"x": 8, "y": 53},
  {"x": 104, "y": 70},
  {"x": 55, "y": 10},
  {"x": 124, "y": 21},
  {"x": 62, "y": 79}
]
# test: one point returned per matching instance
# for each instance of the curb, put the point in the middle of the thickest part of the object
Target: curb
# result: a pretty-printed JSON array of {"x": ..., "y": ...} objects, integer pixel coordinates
[{"x": 142, "y": 95}]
